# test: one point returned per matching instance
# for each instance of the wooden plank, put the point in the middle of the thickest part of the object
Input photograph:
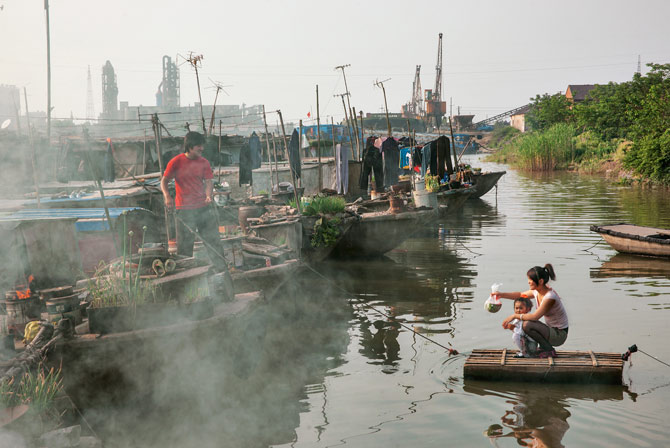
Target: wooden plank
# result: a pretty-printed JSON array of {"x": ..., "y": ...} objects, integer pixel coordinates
[
  {"x": 593, "y": 359},
  {"x": 502, "y": 361}
]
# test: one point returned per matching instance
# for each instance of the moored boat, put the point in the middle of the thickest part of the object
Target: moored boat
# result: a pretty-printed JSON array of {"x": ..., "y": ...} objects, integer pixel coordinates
[
  {"x": 376, "y": 233},
  {"x": 451, "y": 200},
  {"x": 633, "y": 239},
  {"x": 484, "y": 182}
]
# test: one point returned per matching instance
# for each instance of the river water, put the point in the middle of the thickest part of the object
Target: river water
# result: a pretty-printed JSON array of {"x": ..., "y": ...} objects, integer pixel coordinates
[
  {"x": 393, "y": 388},
  {"x": 317, "y": 366}
]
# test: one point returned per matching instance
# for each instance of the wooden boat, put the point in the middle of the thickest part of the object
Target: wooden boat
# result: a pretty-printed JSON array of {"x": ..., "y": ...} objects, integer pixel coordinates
[
  {"x": 451, "y": 200},
  {"x": 483, "y": 182},
  {"x": 376, "y": 233},
  {"x": 632, "y": 239},
  {"x": 566, "y": 367}
]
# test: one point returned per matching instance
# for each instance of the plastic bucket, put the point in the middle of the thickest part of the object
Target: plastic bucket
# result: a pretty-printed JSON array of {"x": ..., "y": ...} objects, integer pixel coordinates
[{"x": 425, "y": 198}]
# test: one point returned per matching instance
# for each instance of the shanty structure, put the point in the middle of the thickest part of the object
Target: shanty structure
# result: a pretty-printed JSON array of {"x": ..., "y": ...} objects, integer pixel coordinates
[{"x": 566, "y": 367}]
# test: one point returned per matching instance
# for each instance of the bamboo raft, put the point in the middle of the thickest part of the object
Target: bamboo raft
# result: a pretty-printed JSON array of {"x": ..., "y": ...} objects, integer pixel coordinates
[{"x": 566, "y": 367}]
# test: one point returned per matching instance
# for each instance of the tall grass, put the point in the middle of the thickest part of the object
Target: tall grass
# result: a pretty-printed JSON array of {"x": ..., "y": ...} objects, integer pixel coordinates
[
  {"x": 324, "y": 205},
  {"x": 541, "y": 151}
]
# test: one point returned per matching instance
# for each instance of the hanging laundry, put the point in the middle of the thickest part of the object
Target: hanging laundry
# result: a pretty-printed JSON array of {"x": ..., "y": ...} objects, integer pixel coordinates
[
  {"x": 245, "y": 165},
  {"x": 342, "y": 169},
  {"x": 255, "y": 149},
  {"x": 294, "y": 153},
  {"x": 426, "y": 154},
  {"x": 372, "y": 162},
  {"x": 391, "y": 161},
  {"x": 443, "y": 157},
  {"x": 405, "y": 158}
]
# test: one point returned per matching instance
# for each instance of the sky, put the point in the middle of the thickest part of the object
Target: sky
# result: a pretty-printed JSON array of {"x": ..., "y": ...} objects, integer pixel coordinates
[{"x": 496, "y": 55}]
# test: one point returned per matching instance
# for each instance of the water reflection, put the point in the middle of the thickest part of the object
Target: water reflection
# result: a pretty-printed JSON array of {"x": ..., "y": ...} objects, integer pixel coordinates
[
  {"x": 627, "y": 265},
  {"x": 537, "y": 415}
]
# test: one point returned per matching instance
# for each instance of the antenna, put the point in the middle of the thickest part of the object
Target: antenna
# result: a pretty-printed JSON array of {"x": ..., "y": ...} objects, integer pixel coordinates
[
  {"x": 90, "y": 112},
  {"x": 218, "y": 86},
  {"x": 380, "y": 84},
  {"x": 196, "y": 60}
]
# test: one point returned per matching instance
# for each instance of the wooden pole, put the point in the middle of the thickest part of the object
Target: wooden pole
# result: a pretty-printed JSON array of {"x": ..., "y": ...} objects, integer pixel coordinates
[
  {"x": 360, "y": 153},
  {"x": 332, "y": 131},
  {"x": 318, "y": 138},
  {"x": 211, "y": 121},
  {"x": 274, "y": 152},
  {"x": 157, "y": 136},
  {"x": 351, "y": 139},
  {"x": 220, "y": 123},
  {"x": 299, "y": 146},
  {"x": 144, "y": 154},
  {"x": 267, "y": 144},
  {"x": 453, "y": 144},
  {"x": 355, "y": 122},
  {"x": 96, "y": 179},
  {"x": 202, "y": 115},
  {"x": 46, "y": 9},
  {"x": 33, "y": 159},
  {"x": 290, "y": 167},
  {"x": 386, "y": 108}
]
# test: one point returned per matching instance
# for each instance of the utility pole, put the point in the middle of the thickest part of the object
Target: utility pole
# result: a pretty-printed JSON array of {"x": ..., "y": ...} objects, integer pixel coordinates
[
  {"x": 211, "y": 122},
  {"x": 388, "y": 121},
  {"x": 46, "y": 9},
  {"x": 195, "y": 60},
  {"x": 346, "y": 89}
]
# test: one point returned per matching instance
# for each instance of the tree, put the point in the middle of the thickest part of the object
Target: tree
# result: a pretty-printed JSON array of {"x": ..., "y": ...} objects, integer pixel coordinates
[{"x": 547, "y": 110}]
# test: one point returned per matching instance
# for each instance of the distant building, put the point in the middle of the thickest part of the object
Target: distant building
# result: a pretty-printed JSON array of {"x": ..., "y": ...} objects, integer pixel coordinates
[
  {"x": 576, "y": 93},
  {"x": 518, "y": 118}
]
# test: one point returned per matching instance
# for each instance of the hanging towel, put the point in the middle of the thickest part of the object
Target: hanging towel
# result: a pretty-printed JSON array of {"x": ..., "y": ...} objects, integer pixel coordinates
[
  {"x": 391, "y": 161},
  {"x": 342, "y": 168},
  {"x": 245, "y": 165},
  {"x": 294, "y": 153}
]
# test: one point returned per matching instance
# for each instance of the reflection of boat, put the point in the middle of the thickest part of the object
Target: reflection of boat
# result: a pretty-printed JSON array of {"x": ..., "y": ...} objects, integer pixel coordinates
[
  {"x": 566, "y": 367},
  {"x": 483, "y": 182},
  {"x": 377, "y": 233},
  {"x": 627, "y": 265},
  {"x": 452, "y": 200},
  {"x": 633, "y": 239}
]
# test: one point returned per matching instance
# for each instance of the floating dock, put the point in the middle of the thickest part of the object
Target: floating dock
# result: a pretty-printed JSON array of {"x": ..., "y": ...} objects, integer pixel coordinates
[{"x": 566, "y": 367}]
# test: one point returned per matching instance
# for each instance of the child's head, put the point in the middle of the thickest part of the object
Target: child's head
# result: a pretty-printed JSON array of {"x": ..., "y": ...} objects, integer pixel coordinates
[{"x": 522, "y": 305}]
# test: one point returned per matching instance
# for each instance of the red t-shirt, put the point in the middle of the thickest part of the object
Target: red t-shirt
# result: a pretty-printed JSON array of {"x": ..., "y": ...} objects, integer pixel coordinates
[{"x": 189, "y": 176}]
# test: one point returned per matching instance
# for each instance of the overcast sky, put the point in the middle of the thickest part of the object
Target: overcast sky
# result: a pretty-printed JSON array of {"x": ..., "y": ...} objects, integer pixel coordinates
[{"x": 496, "y": 55}]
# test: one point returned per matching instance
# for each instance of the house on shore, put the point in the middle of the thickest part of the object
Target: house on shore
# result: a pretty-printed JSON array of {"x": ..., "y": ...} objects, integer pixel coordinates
[{"x": 518, "y": 118}]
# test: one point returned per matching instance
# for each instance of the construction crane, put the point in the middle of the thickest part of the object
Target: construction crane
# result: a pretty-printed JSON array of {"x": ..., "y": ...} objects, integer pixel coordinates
[
  {"x": 435, "y": 107},
  {"x": 414, "y": 109}
]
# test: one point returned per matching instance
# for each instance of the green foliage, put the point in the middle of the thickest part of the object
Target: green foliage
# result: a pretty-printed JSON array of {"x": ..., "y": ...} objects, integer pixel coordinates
[
  {"x": 432, "y": 183},
  {"x": 326, "y": 232},
  {"x": 541, "y": 151},
  {"x": 650, "y": 156},
  {"x": 36, "y": 389},
  {"x": 502, "y": 135},
  {"x": 547, "y": 110},
  {"x": 324, "y": 205}
]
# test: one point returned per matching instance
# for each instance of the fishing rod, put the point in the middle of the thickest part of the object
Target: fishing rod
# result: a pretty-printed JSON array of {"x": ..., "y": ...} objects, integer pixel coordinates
[
  {"x": 451, "y": 351},
  {"x": 633, "y": 349}
]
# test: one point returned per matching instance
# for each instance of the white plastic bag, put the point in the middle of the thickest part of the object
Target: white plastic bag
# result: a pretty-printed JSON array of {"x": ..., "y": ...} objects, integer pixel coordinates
[{"x": 493, "y": 303}]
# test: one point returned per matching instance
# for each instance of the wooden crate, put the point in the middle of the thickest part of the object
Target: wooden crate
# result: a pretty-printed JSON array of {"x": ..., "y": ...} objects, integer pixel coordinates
[{"x": 566, "y": 367}]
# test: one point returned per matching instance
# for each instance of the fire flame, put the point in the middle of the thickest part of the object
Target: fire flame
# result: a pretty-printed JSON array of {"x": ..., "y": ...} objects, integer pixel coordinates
[{"x": 25, "y": 293}]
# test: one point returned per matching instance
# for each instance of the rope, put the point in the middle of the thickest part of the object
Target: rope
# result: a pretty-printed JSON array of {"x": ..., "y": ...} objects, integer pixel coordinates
[
  {"x": 599, "y": 241},
  {"x": 388, "y": 316},
  {"x": 633, "y": 348}
]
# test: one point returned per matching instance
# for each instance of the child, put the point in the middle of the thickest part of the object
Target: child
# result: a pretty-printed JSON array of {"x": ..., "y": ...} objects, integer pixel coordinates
[{"x": 527, "y": 346}]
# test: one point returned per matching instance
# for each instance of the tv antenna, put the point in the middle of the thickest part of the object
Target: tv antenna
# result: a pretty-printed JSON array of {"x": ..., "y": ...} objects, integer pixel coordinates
[
  {"x": 196, "y": 61},
  {"x": 218, "y": 86}
]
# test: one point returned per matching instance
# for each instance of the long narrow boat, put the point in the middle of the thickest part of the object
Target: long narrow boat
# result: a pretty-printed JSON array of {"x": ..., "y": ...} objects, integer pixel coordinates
[
  {"x": 566, "y": 367},
  {"x": 451, "y": 200},
  {"x": 379, "y": 232},
  {"x": 632, "y": 239},
  {"x": 484, "y": 182}
]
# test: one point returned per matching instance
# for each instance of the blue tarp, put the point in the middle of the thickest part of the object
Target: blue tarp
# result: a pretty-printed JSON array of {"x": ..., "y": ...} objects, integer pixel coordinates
[{"x": 96, "y": 215}]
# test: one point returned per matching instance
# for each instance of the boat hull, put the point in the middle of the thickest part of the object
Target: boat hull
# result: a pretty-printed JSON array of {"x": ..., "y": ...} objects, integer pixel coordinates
[
  {"x": 483, "y": 183},
  {"x": 377, "y": 233},
  {"x": 639, "y": 240},
  {"x": 451, "y": 200}
]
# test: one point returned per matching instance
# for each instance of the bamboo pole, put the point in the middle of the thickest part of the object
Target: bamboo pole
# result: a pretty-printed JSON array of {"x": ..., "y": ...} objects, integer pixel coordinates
[
  {"x": 267, "y": 145},
  {"x": 351, "y": 139},
  {"x": 157, "y": 136},
  {"x": 332, "y": 131},
  {"x": 360, "y": 154},
  {"x": 99, "y": 185},
  {"x": 290, "y": 167},
  {"x": 33, "y": 159},
  {"x": 355, "y": 121},
  {"x": 318, "y": 138},
  {"x": 299, "y": 146},
  {"x": 453, "y": 144},
  {"x": 274, "y": 152}
]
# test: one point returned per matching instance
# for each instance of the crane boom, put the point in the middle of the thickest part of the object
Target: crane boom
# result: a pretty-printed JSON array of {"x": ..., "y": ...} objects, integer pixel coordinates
[{"x": 437, "y": 93}]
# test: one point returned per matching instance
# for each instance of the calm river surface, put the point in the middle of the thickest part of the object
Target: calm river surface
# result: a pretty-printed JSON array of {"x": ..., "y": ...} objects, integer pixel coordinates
[
  {"x": 315, "y": 368},
  {"x": 392, "y": 388}
]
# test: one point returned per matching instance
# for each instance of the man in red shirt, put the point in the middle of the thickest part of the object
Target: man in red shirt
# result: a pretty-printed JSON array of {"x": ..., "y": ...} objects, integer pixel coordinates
[{"x": 194, "y": 186}]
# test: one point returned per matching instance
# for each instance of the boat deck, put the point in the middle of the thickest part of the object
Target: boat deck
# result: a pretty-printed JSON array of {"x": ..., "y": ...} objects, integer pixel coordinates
[{"x": 566, "y": 367}]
